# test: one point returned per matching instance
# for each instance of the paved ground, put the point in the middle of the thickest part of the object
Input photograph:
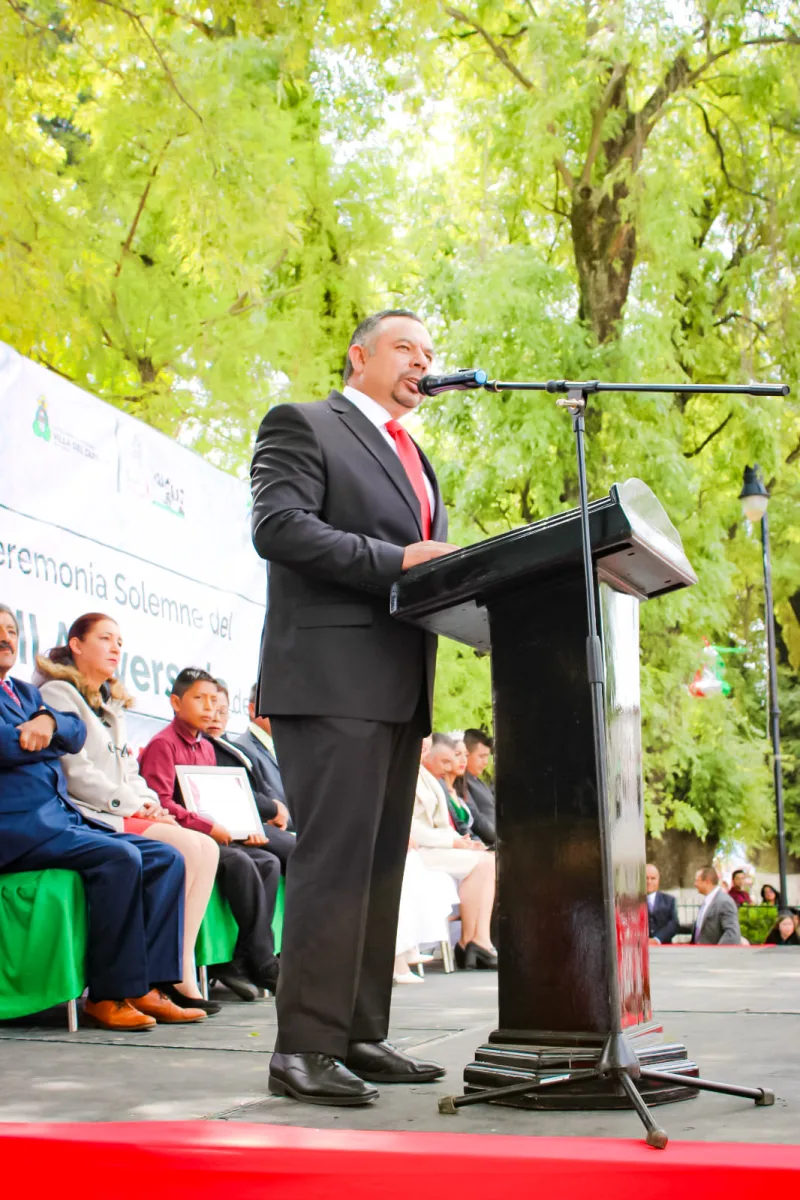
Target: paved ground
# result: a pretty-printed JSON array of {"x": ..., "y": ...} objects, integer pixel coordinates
[{"x": 737, "y": 1011}]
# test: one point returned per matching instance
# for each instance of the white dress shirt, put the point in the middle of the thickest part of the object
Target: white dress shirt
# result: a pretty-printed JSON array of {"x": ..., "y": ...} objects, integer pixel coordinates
[{"x": 379, "y": 417}]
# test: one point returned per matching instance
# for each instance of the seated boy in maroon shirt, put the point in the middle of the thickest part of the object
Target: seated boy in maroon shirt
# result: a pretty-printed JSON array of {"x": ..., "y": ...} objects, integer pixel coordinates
[{"x": 248, "y": 874}]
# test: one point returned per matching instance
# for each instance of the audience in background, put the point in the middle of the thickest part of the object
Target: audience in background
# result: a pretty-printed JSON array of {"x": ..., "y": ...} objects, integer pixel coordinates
[
  {"x": 783, "y": 932},
  {"x": 737, "y": 891},
  {"x": 770, "y": 895},
  {"x": 474, "y": 789},
  {"x": 469, "y": 864},
  {"x": 248, "y": 874},
  {"x": 460, "y": 815},
  {"x": 717, "y": 922},
  {"x": 259, "y": 747},
  {"x": 662, "y": 911},
  {"x": 103, "y": 776},
  {"x": 134, "y": 886},
  {"x": 232, "y": 754}
]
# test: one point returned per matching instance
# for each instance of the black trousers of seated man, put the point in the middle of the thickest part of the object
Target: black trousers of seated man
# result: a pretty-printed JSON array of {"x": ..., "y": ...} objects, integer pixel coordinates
[
  {"x": 248, "y": 877},
  {"x": 350, "y": 787}
]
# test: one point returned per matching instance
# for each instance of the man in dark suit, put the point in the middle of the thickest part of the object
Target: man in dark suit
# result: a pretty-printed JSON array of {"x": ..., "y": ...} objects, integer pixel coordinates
[
  {"x": 258, "y": 745},
  {"x": 477, "y": 793},
  {"x": 343, "y": 502},
  {"x": 662, "y": 911},
  {"x": 134, "y": 885}
]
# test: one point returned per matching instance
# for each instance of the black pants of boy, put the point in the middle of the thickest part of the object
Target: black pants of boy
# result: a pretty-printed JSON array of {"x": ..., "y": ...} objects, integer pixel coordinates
[{"x": 248, "y": 877}]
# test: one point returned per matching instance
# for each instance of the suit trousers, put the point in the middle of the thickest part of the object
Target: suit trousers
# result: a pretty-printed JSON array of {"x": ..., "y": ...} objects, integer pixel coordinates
[
  {"x": 350, "y": 788},
  {"x": 248, "y": 877},
  {"x": 281, "y": 843},
  {"x": 134, "y": 894}
]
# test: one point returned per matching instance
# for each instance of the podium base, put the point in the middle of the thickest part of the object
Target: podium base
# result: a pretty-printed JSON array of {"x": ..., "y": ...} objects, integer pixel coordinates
[{"x": 503, "y": 1062}]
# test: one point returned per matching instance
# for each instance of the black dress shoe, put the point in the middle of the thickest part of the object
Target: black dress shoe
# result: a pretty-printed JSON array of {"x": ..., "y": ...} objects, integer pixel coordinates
[
  {"x": 380, "y": 1062},
  {"x": 208, "y": 1006},
  {"x": 236, "y": 983},
  {"x": 266, "y": 977},
  {"x": 317, "y": 1079}
]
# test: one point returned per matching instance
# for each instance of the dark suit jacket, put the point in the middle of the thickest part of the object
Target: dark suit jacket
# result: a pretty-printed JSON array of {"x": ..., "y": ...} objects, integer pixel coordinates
[
  {"x": 264, "y": 764},
  {"x": 229, "y": 754},
  {"x": 333, "y": 510},
  {"x": 663, "y": 918},
  {"x": 34, "y": 805},
  {"x": 481, "y": 803}
]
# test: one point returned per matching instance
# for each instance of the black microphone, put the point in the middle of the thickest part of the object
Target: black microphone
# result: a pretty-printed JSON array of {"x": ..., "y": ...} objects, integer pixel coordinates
[{"x": 459, "y": 381}]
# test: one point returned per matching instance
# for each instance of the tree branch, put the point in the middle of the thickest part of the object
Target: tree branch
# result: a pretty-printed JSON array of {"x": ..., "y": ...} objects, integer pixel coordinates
[
  {"x": 500, "y": 52},
  {"x": 737, "y": 316},
  {"x": 717, "y": 140},
  {"x": 139, "y": 210},
  {"x": 711, "y": 436},
  {"x": 133, "y": 16},
  {"x": 617, "y": 76}
]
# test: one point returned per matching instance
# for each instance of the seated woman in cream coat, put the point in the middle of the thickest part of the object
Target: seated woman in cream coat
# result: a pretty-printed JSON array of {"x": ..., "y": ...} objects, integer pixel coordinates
[
  {"x": 103, "y": 778},
  {"x": 469, "y": 863}
]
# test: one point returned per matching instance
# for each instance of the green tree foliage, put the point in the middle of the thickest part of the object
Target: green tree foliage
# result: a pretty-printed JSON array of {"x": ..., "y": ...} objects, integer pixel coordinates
[{"x": 200, "y": 201}]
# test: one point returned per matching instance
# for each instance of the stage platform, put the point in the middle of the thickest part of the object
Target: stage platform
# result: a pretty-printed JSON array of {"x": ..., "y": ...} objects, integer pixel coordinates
[{"x": 736, "y": 1010}]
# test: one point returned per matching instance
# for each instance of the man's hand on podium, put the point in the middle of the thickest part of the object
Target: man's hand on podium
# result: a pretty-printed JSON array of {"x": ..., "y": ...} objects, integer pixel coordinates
[{"x": 422, "y": 552}]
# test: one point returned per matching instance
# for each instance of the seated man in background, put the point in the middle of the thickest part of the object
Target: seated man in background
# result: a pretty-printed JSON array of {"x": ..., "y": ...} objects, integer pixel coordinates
[
  {"x": 738, "y": 890},
  {"x": 134, "y": 886},
  {"x": 259, "y": 747},
  {"x": 478, "y": 794},
  {"x": 717, "y": 922},
  {"x": 232, "y": 754},
  {"x": 662, "y": 911},
  {"x": 248, "y": 875}
]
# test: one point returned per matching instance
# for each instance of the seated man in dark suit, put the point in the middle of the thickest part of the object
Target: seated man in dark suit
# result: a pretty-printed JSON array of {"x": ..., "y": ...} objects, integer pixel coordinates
[
  {"x": 133, "y": 885},
  {"x": 477, "y": 793},
  {"x": 272, "y": 811},
  {"x": 259, "y": 747},
  {"x": 662, "y": 911}
]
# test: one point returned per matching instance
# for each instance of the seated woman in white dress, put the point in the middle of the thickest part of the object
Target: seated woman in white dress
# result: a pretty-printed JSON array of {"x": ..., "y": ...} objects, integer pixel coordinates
[
  {"x": 469, "y": 863},
  {"x": 426, "y": 904}
]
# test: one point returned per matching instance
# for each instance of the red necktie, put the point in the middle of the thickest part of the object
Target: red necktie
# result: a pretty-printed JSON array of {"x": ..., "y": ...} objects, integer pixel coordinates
[
  {"x": 9, "y": 692},
  {"x": 409, "y": 456}
]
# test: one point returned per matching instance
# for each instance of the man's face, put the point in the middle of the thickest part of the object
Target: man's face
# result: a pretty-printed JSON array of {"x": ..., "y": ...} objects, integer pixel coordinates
[
  {"x": 737, "y": 880},
  {"x": 441, "y": 761},
  {"x": 478, "y": 759},
  {"x": 197, "y": 705},
  {"x": 703, "y": 886},
  {"x": 221, "y": 713},
  {"x": 9, "y": 640},
  {"x": 397, "y": 355},
  {"x": 652, "y": 879},
  {"x": 261, "y": 722}
]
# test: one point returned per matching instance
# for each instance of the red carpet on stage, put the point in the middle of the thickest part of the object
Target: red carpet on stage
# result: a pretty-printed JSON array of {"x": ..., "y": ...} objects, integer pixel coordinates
[{"x": 225, "y": 1161}]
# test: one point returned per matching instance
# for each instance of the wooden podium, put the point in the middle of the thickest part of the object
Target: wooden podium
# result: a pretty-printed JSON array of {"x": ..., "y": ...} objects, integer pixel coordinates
[{"x": 521, "y": 596}]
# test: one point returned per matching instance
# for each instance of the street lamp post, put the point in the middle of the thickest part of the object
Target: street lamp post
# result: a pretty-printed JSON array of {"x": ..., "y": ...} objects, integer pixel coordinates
[{"x": 755, "y": 497}]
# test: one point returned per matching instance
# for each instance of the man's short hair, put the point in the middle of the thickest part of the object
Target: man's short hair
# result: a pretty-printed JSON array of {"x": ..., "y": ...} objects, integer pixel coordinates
[
  {"x": 709, "y": 875},
  {"x": 188, "y": 677},
  {"x": 738, "y": 871},
  {"x": 253, "y": 693},
  {"x": 363, "y": 332},
  {"x": 442, "y": 739},
  {"x": 4, "y": 608},
  {"x": 477, "y": 737}
]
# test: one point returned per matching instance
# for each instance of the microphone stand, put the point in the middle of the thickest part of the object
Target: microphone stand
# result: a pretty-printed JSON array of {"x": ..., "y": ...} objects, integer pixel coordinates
[{"x": 618, "y": 1059}]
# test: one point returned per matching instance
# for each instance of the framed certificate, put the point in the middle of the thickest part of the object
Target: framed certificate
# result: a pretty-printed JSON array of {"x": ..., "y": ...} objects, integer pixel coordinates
[{"x": 224, "y": 795}]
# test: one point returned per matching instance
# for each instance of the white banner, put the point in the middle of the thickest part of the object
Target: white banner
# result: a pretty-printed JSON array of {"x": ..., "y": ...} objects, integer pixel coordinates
[{"x": 101, "y": 513}]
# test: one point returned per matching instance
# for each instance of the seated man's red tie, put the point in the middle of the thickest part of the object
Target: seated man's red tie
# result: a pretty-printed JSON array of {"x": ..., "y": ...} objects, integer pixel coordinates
[{"x": 409, "y": 456}]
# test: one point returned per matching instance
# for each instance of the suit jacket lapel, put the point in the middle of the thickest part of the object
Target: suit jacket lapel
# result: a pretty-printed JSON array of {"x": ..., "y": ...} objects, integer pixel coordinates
[{"x": 374, "y": 441}]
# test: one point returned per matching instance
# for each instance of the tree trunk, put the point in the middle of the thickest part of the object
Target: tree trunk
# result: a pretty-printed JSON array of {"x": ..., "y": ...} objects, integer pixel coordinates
[{"x": 605, "y": 253}]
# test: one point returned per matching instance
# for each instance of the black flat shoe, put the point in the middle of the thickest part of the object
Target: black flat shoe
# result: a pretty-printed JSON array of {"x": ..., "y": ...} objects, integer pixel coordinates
[
  {"x": 317, "y": 1079},
  {"x": 235, "y": 983},
  {"x": 208, "y": 1006},
  {"x": 380, "y": 1062}
]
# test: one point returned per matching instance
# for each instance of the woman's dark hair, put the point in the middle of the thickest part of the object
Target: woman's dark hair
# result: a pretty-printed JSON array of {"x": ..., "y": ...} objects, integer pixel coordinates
[
  {"x": 776, "y": 901},
  {"x": 80, "y": 629}
]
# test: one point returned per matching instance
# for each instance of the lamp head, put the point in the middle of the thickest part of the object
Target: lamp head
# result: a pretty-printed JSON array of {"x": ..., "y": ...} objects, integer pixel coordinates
[{"x": 754, "y": 495}]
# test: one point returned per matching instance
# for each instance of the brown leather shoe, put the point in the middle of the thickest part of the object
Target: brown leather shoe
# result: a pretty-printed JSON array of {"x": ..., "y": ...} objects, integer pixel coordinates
[
  {"x": 116, "y": 1014},
  {"x": 157, "y": 1005}
]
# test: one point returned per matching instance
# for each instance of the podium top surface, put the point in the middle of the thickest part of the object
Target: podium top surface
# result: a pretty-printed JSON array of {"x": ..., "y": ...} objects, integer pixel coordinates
[{"x": 635, "y": 548}]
